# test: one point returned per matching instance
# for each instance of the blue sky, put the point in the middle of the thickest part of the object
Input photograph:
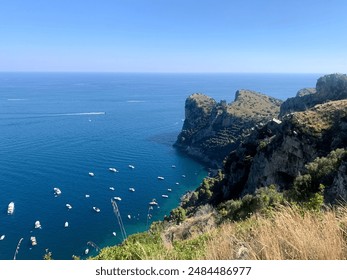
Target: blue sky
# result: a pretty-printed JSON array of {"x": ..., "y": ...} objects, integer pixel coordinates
[{"x": 174, "y": 36}]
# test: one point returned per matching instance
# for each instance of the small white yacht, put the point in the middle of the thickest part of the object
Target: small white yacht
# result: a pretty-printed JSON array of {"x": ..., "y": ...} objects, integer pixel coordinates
[
  {"x": 96, "y": 209},
  {"x": 37, "y": 224},
  {"x": 183, "y": 176},
  {"x": 117, "y": 198},
  {"x": 10, "y": 208},
  {"x": 68, "y": 206},
  {"x": 2, "y": 237},
  {"x": 161, "y": 178},
  {"x": 87, "y": 195},
  {"x": 177, "y": 183},
  {"x": 112, "y": 188},
  {"x": 114, "y": 233},
  {"x": 113, "y": 169},
  {"x": 57, "y": 191},
  {"x": 131, "y": 189},
  {"x": 86, "y": 251},
  {"x": 153, "y": 202},
  {"x": 129, "y": 217},
  {"x": 164, "y": 196},
  {"x": 169, "y": 190},
  {"x": 131, "y": 166},
  {"x": 66, "y": 224},
  {"x": 33, "y": 240},
  {"x": 91, "y": 174},
  {"x": 173, "y": 166}
]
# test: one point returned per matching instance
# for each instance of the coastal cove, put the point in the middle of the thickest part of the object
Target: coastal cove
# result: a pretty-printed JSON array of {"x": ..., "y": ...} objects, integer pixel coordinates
[{"x": 56, "y": 128}]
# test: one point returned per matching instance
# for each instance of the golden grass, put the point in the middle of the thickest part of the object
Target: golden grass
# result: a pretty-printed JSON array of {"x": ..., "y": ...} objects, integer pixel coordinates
[{"x": 290, "y": 234}]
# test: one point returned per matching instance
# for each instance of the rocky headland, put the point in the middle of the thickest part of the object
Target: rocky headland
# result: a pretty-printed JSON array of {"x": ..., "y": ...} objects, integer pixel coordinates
[{"x": 212, "y": 129}]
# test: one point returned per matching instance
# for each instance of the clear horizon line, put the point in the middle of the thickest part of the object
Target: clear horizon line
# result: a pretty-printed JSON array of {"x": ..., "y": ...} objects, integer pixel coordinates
[{"x": 162, "y": 72}]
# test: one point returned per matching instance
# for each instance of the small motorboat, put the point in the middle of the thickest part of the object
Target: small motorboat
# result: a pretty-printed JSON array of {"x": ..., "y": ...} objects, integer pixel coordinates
[
  {"x": 112, "y": 188},
  {"x": 33, "y": 240},
  {"x": 161, "y": 178},
  {"x": 131, "y": 189},
  {"x": 173, "y": 166},
  {"x": 66, "y": 224},
  {"x": 37, "y": 224},
  {"x": 96, "y": 209},
  {"x": 86, "y": 251},
  {"x": 153, "y": 202},
  {"x": 165, "y": 196},
  {"x": 113, "y": 169},
  {"x": 129, "y": 217},
  {"x": 2, "y": 237},
  {"x": 87, "y": 195},
  {"x": 183, "y": 176},
  {"x": 169, "y": 190},
  {"x": 10, "y": 208},
  {"x": 131, "y": 166},
  {"x": 177, "y": 183},
  {"x": 91, "y": 174},
  {"x": 68, "y": 206},
  {"x": 114, "y": 233},
  {"x": 117, "y": 198},
  {"x": 57, "y": 191}
]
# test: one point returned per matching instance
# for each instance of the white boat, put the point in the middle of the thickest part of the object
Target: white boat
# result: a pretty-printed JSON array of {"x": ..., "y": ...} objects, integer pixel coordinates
[
  {"x": 2, "y": 237},
  {"x": 87, "y": 195},
  {"x": 169, "y": 190},
  {"x": 129, "y": 217},
  {"x": 117, "y": 198},
  {"x": 173, "y": 166},
  {"x": 161, "y": 178},
  {"x": 33, "y": 240},
  {"x": 114, "y": 233},
  {"x": 66, "y": 224},
  {"x": 96, "y": 209},
  {"x": 57, "y": 191},
  {"x": 131, "y": 189},
  {"x": 10, "y": 208},
  {"x": 177, "y": 183},
  {"x": 184, "y": 176},
  {"x": 131, "y": 166},
  {"x": 112, "y": 188},
  {"x": 113, "y": 169},
  {"x": 68, "y": 206},
  {"x": 86, "y": 251},
  {"x": 91, "y": 174},
  {"x": 165, "y": 196},
  {"x": 153, "y": 203},
  {"x": 37, "y": 224}
]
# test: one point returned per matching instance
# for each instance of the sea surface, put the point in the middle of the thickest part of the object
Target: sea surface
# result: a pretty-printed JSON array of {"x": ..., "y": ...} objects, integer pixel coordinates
[{"x": 55, "y": 128}]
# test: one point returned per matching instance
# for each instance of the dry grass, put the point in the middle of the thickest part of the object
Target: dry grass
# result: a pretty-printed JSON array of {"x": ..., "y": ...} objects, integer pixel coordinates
[{"x": 288, "y": 235}]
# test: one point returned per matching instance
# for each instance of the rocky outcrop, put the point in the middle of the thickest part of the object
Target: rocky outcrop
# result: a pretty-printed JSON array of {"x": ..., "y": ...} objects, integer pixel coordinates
[
  {"x": 278, "y": 152},
  {"x": 211, "y": 129},
  {"x": 328, "y": 88}
]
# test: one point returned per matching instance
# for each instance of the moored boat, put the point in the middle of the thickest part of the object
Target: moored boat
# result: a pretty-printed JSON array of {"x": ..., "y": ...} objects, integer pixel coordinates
[
  {"x": 113, "y": 169},
  {"x": 91, "y": 174},
  {"x": 117, "y": 198},
  {"x": 37, "y": 224},
  {"x": 68, "y": 206},
  {"x": 33, "y": 240},
  {"x": 161, "y": 178},
  {"x": 131, "y": 189},
  {"x": 96, "y": 209},
  {"x": 10, "y": 208},
  {"x": 57, "y": 191}
]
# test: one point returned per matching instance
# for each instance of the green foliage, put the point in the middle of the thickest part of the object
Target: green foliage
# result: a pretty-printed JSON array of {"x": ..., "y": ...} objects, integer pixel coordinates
[
  {"x": 48, "y": 256},
  {"x": 262, "y": 201},
  {"x": 178, "y": 215},
  {"x": 309, "y": 188},
  {"x": 262, "y": 145}
]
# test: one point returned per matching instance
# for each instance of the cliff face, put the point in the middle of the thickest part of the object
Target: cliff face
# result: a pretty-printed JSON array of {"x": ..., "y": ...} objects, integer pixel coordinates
[
  {"x": 211, "y": 129},
  {"x": 278, "y": 153},
  {"x": 328, "y": 88}
]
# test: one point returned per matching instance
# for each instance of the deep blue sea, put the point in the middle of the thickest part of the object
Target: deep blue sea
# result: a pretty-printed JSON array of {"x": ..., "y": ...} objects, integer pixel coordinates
[{"x": 55, "y": 128}]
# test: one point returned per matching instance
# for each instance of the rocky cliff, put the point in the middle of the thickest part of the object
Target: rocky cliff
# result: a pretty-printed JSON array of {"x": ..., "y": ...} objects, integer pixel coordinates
[
  {"x": 328, "y": 88},
  {"x": 211, "y": 129}
]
